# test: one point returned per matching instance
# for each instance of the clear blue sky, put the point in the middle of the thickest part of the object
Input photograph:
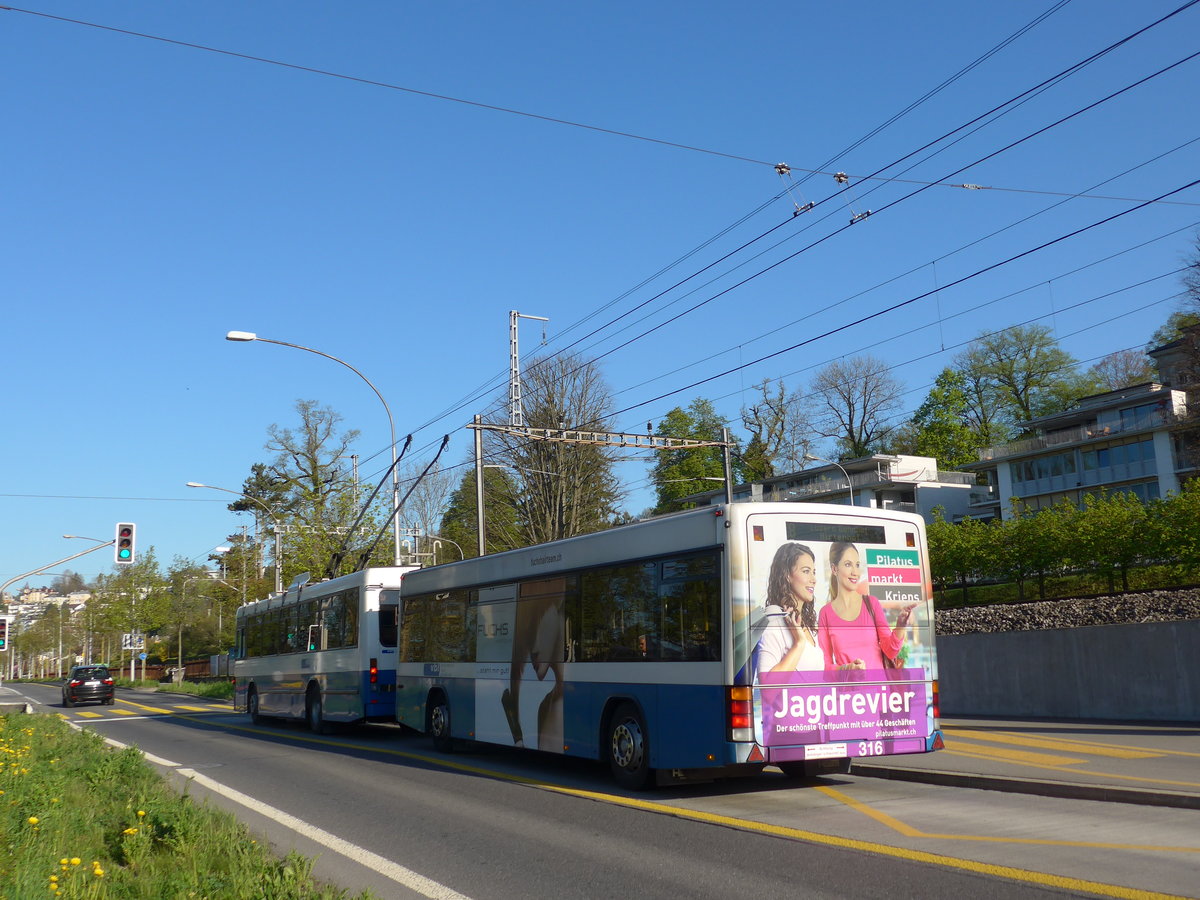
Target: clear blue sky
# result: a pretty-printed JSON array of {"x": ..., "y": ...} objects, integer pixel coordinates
[{"x": 157, "y": 196}]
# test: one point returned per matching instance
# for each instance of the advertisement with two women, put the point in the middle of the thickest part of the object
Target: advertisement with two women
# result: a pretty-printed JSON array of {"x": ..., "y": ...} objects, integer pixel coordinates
[{"x": 841, "y": 638}]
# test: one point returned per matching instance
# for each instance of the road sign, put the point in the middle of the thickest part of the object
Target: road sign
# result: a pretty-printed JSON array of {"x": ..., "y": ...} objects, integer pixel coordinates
[
  {"x": 142, "y": 657},
  {"x": 133, "y": 641}
]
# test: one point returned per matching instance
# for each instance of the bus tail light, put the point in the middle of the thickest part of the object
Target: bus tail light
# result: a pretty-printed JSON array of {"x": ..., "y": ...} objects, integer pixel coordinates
[
  {"x": 741, "y": 713},
  {"x": 374, "y": 671},
  {"x": 937, "y": 709}
]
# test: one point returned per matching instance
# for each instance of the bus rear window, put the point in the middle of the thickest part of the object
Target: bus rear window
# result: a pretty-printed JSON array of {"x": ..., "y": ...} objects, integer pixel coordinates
[
  {"x": 833, "y": 532},
  {"x": 387, "y": 624}
]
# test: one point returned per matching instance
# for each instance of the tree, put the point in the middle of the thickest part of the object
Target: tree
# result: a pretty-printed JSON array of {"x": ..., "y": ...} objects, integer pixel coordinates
[
  {"x": 1110, "y": 535},
  {"x": 781, "y": 432},
  {"x": 427, "y": 499},
  {"x": 1021, "y": 372},
  {"x": 319, "y": 496},
  {"x": 955, "y": 551},
  {"x": 853, "y": 402},
  {"x": 682, "y": 472},
  {"x": 563, "y": 488},
  {"x": 1122, "y": 369},
  {"x": 939, "y": 428},
  {"x": 502, "y": 530}
]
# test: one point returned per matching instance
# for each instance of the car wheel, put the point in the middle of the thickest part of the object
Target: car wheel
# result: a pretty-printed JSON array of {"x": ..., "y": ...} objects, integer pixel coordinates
[
  {"x": 68, "y": 702},
  {"x": 629, "y": 748}
]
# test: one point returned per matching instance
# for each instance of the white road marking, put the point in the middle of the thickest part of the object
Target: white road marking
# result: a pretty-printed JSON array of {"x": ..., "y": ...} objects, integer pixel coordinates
[
  {"x": 426, "y": 887},
  {"x": 418, "y": 883}
]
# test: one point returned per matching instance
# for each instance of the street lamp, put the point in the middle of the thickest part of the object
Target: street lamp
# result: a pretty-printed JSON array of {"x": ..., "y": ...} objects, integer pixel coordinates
[
  {"x": 246, "y": 336},
  {"x": 274, "y": 519},
  {"x": 808, "y": 457}
]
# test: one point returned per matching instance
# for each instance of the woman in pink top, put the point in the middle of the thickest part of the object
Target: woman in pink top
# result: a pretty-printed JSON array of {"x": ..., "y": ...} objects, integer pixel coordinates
[{"x": 852, "y": 628}]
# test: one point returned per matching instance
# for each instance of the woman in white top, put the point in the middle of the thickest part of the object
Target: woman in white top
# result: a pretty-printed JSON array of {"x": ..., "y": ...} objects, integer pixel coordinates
[{"x": 789, "y": 624}]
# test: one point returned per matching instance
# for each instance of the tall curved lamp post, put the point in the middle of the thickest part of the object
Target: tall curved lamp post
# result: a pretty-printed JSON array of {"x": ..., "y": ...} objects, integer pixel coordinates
[
  {"x": 808, "y": 457},
  {"x": 274, "y": 520},
  {"x": 247, "y": 336}
]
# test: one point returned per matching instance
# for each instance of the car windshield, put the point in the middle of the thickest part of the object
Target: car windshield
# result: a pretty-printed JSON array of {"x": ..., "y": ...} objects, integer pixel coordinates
[{"x": 89, "y": 673}]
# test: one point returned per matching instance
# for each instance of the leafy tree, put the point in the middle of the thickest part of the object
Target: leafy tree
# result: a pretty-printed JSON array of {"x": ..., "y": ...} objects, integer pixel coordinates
[
  {"x": 319, "y": 496},
  {"x": 68, "y": 582},
  {"x": 1178, "y": 537},
  {"x": 939, "y": 426},
  {"x": 1021, "y": 371},
  {"x": 854, "y": 402},
  {"x": 955, "y": 551},
  {"x": 427, "y": 499},
  {"x": 685, "y": 471},
  {"x": 1110, "y": 535},
  {"x": 502, "y": 529}
]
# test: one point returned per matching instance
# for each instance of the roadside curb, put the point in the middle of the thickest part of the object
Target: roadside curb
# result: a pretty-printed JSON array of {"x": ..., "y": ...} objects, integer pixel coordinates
[{"x": 1059, "y": 789}]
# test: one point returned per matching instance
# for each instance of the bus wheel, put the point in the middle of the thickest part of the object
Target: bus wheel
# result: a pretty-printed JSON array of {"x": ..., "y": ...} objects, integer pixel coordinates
[
  {"x": 439, "y": 724},
  {"x": 629, "y": 748},
  {"x": 314, "y": 711},
  {"x": 252, "y": 706}
]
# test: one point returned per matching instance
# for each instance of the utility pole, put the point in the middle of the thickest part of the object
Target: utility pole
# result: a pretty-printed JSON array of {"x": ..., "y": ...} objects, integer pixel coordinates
[{"x": 516, "y": 416}]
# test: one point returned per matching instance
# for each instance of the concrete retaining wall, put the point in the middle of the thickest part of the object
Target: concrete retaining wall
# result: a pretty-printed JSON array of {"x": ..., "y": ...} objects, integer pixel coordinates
[{"x": 1147, "y": 672}]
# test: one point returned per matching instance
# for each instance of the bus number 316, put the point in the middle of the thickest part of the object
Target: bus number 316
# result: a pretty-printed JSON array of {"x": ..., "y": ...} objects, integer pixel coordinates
[{"x": 870, "y": 748}]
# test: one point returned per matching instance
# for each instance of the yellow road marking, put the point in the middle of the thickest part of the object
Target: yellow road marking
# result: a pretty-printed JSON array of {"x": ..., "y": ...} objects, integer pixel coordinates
[
  {"x": 1020, "y": 756},
  {"x": 195, "y": 708},
  {"x": 1081, "y": 745},
  {"x": 89, "y": 715},
  {"x": 908, "y": 831},
  {"x": 124, "y": 712},
  {"x": 142, "y": 706},
  {"x": 1070, "y": 746}
]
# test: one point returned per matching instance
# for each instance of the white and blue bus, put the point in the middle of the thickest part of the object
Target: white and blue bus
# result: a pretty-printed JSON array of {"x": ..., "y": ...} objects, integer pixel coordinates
[
  {"x": 323, "y": 652},
  {"x": 665, "y": 647}
]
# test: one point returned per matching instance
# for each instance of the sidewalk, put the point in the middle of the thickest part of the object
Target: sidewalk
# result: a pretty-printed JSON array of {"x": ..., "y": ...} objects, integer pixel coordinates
[{"x": 1118, "y": 762}]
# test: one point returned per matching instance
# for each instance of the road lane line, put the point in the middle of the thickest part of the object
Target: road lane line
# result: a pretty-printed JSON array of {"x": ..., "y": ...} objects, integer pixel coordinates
[{"x": 406, "y": 877}]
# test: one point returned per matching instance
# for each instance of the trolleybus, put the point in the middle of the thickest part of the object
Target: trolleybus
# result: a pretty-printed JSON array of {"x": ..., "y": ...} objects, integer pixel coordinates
[
  {"x": 322, "y": 652},
  {"x": 652, "y": 646}
]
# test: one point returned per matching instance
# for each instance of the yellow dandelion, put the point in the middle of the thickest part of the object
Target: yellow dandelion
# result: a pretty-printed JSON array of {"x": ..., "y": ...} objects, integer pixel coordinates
[
  {"x": 53, "y": 799},
  {"x": 33, "y": 820},
  {"x": 141, "y": 812},
  {"x": 99, "y": 873},
  {"x": 54, "y": 878},
  {"x": 63, "y": 861},
  {"x": 75, "y": 860},
  {"x": 129, "y": 831}
]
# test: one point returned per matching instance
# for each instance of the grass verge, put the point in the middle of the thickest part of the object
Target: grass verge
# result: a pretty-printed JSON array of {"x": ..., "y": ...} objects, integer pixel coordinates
[{"x": 81, "y": 820}]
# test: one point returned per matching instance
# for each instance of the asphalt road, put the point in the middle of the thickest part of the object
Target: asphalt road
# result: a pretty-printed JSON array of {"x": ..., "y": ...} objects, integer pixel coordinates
[{"x": 381, "y": 810}]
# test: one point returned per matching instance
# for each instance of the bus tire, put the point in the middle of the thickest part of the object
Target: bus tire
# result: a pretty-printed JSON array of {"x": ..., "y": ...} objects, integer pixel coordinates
[
  {"x": 314, "y": 711},
  {"x": 439, "y": 723},
  {"x": 629, "y": 748},
  {"x": 252, "y": 706}
]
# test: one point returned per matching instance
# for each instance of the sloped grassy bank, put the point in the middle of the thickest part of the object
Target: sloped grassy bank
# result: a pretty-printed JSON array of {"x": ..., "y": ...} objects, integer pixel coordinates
[{"x": 81, "y": 820}]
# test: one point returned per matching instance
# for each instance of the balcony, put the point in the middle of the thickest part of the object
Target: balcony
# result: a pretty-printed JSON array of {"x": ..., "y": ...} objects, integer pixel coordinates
[{"x": 1076, "y": 435}]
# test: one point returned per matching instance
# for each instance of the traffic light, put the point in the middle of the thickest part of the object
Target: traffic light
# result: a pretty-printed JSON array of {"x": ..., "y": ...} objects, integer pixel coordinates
[
  {"x": 3, "y": 633},
  {"x": 124, "y": 551}
]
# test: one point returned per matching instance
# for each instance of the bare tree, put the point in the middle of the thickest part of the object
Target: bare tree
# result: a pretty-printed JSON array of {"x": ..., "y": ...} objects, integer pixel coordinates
[
  {"x": 563, "y": 489},
  {"x": 1123, "y": 368},
  {"x": 853, "y": 402}
]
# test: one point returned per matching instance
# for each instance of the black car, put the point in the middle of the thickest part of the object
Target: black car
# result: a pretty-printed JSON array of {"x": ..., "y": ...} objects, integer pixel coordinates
[{"x": 89, "y": 683}]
